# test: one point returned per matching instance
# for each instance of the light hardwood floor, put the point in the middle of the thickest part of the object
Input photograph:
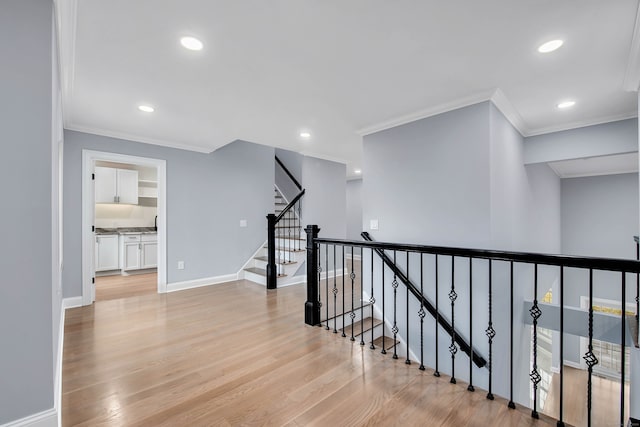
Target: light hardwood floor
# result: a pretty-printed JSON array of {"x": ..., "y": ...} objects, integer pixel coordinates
[
  {"x": 117, "y": 286},
  {"x": 235, "y": 354}
]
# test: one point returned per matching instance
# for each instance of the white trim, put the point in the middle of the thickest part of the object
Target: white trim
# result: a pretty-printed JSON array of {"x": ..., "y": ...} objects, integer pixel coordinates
[
  {"x": 572, "y": 365},
  {"x": 71, "y": 302},
  {"x": 428, "y": 112},
  {"x": 240, "y": 273},
  {"x": 338, "y": 273},
  {"x": 502, "y": 103},
  {"x": 89, "y": 157},
  {"x": 198, "y": 283},
  {"x": 356, "y": 257},
  {"x": 138, "y": 138},
  {"x": 57, "y": 387},
  {"x": 66, "y": 12},
  {"x": 293, "y": 280},
  {"x": 48, "y": 418},
  {"x": 307, "y": 153},
  {"x": 581, "y": 175},
  {"x": 631, "y": 80},
  {"x": 582, "y": 123}
]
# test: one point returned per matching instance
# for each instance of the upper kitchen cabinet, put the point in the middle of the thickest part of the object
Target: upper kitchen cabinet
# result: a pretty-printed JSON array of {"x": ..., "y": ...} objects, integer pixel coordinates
[{"x": 116, "y": 185}]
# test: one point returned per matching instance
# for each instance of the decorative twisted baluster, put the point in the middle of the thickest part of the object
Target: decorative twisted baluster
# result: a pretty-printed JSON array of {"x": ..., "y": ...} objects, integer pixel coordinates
[
  {"x": 421, "y": 314},
  {"x": 335, "y": 293},
  {"x": 344, "y": 264},
  {"x": 491, "y": 333},
  {"x": 362, "y": 296},
  {"x": 453, "y": 349},
  {"x": 535, "y": 314},
  {"x": 372, "y": 301},
  {"x": 407, "y": 361},
  {"x": 589, "y": 357},
  {"x": 326, "y": 281},
  {"x": 319, "y": 283},
  {"x": 384, "y": 348},
  {"x": 352, "y": 276},
  {"x": 395, "y": 329}
]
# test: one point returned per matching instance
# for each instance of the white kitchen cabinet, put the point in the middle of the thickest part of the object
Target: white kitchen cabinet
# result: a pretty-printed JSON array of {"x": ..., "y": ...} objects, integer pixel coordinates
[
  {"x": 139, "y": 251},
  {"x": 107, "y": 252},
  {"x": 116, "y": 185}
]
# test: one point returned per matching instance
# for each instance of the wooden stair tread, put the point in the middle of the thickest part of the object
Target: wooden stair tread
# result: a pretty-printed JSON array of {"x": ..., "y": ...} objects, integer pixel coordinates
[
  {"x": 367, "y": 325},
  {"x": 266, "y": 259},
  {"x": 260, "y": 271},
  {"x": 388, "y": 342}
]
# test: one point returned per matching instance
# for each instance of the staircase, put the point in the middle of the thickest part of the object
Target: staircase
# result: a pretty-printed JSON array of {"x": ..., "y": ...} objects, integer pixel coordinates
[{"x": 290, "y": 249}]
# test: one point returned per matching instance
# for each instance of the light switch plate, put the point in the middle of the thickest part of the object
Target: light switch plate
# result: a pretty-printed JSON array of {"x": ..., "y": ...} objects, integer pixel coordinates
[
  {"x": 180, "y": 265},
  {"x": 243, "y": 223},
  {"x": 373, "y": 224}
]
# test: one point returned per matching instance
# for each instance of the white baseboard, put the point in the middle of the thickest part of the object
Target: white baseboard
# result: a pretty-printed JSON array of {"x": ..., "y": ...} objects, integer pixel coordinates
[
  {"x": 338, "y": 273},
  {"x": 356, "y": 256},
  {"x": 48, "y": 418},
  {"x": 573, "y": 364},
  {"x": 198, "y": 283},
  {"x": 71, "y": 302},
  {"x": 295, "y": 280}
]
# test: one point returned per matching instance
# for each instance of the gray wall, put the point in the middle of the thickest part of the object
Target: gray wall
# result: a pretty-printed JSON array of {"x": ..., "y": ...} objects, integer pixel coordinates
[
  {"x": 207, "y": 196},
  {"x": 325, "y": 201},
  {"x": 354, "y": 209},
  {"x": 26, "y": 361},
  {"x": 599, "y": 218},
  {"x": 589, "y": 141},
  {"x": 458, "y": 179}
]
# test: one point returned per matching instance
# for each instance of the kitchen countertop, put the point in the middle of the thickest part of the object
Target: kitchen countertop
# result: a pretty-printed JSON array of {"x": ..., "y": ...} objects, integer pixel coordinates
[{"x": 126, "y": 230}]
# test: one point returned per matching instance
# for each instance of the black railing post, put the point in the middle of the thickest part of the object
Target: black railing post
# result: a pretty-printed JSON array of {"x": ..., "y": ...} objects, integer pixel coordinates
[
  {"x": 272, "y": 271},
  {"x": 311, "y": 306}
]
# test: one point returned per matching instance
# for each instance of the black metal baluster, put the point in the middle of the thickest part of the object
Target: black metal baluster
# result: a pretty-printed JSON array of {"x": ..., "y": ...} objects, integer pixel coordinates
[
  {"x": 437, "y": 372},
  {"x": 384, "y": 347},
  {"x": 344, "y": 264},
  {"x": 589, "y": 357},
  {"x": 352, "y": 276},
  {"x": 326, "y": 281},
  {"x": 453, "y": 349},
  {"x": 470, "y": 386},
  {"x": 637, "y": 283},
  {"x": 372, "y": 301},
  {"x": 421, "y": 313},
  {"x": 491, "y": 333},
  {"x": 535, "y": 314},
  {"x": 362, "y": 296},
  {"x": 395, "y": 329},
  {"x": 335, "y": 293},
  {"x": 511, "y": 404},
  {"x": 561, "y": 415},
  {"x": 319, "y": 282},
  {"x": 623, "y": 346},
  {"x": 408, "y": 362}
]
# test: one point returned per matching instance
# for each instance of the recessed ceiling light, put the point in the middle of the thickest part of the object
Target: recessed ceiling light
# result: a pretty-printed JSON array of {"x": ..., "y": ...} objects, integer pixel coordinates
[
  {"x": 305, "y": 135},
  {"x": 146, "y": 108},
  {"x": 566, "y": 104},
  {"x": 550, "y": 46},
  {"x": 357, "y": 171},
  {"x": 191, "y": 43}
]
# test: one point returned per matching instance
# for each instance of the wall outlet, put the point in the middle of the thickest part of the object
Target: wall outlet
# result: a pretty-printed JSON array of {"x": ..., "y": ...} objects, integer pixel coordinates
[
  {"x": 373, "y": 224},
  {"x": 180, "y": 265},
  {"x": 243, "y": 223}
]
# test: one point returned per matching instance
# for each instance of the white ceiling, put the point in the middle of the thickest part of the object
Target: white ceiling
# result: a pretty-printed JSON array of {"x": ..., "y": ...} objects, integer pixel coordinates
[{"x": 336, "y": 68}]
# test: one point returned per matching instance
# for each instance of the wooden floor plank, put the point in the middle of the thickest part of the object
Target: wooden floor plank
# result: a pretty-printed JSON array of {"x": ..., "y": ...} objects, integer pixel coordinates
[{"x": 236, "y": 354}]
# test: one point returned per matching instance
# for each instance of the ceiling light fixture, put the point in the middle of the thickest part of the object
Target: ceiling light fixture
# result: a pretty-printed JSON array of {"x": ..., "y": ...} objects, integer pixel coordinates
[
  {"x": 566, "y": 104},
  {"x": 146, "y": 108},
  {"x": 305, "y": 135},
  {"x": 357, "y": 171},
  {"x": 550, "y": 46},
  {"x": 191, "y": 43}
]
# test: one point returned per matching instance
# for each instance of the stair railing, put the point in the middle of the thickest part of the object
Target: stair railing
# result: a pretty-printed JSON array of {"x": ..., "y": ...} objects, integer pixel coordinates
[
  {"x": 283, "y": 233},
  {"x": 336, "y": 267}
]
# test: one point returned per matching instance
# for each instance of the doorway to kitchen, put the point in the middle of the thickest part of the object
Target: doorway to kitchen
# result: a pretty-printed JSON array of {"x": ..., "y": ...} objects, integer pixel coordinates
[{"x": 124, "y": 226}]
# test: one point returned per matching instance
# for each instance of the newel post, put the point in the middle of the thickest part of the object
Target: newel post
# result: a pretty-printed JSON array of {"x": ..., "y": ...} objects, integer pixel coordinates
[
  {"x": 272, "y": 272},
  {"x": 312, "y": 306}
]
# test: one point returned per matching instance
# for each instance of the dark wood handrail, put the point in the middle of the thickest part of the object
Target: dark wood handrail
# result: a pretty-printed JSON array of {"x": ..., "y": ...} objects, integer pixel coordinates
[
  {"x": 290, "y": 205},
  {"x": 608, "y": 264},
  {"x": 289, "y": 174},
  {"x": 464, "y": 346}
]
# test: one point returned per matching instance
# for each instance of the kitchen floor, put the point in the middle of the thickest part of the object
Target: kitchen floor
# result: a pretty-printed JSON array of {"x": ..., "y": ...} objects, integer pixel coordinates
[{"x": 117, "y": 287}]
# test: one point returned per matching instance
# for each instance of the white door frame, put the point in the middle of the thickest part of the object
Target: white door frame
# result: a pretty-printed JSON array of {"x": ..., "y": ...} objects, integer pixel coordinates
[{"x": 89, "y": 157}]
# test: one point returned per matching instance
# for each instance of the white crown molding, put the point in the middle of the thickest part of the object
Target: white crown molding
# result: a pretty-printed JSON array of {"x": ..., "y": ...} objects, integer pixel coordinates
[
  {"x": 66, "y": 12},
  {"x": 505, "y": 106},
  {"x": 324, "y": 157},
  {"x": 582, "y": 123},
  {"x": 428, "y": 112},
  {"x": 137, "y": 138},
  {"x": 631, "y": 80}
]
